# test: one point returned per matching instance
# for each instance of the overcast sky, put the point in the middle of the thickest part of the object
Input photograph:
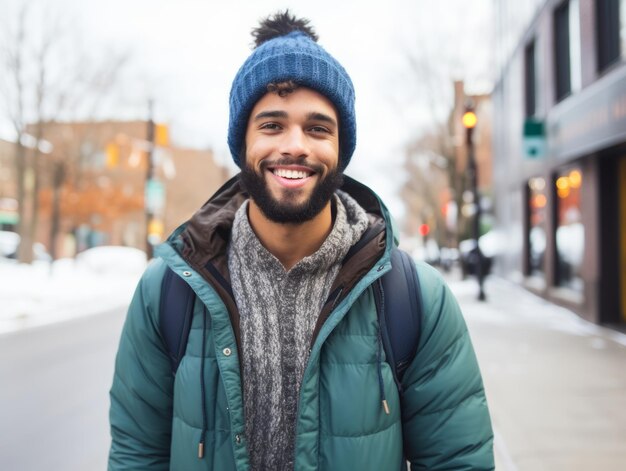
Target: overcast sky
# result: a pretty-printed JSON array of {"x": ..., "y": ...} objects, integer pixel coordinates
[{"x": 185, "y": 53}]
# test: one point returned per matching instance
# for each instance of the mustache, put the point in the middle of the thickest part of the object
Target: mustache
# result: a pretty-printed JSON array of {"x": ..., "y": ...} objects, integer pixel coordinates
[{"x": 317, "y": 168}]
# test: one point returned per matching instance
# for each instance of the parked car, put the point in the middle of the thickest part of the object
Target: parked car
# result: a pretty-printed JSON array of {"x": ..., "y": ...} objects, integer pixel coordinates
[
  {"x": 112, "y": 259},
  {"x": 10, "y": 242}
]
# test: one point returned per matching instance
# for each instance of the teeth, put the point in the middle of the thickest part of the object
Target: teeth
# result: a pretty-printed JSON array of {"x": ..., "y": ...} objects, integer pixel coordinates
[{"x": 293, "y": 174}]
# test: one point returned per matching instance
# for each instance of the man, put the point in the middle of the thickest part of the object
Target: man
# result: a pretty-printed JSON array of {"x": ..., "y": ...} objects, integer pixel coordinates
[{"x": 284, "y": 366}]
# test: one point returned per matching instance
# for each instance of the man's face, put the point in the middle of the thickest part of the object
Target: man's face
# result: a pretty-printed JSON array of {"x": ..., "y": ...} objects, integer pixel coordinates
[{"x": 292, "y": 155}]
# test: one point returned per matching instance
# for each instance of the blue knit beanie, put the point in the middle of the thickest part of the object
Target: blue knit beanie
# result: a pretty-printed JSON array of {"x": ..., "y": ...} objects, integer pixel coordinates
[{"x": 294, "y": 56}]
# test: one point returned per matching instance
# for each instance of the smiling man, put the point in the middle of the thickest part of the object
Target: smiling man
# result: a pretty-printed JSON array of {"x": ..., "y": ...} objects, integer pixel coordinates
[{"x": 280, "y": 362}]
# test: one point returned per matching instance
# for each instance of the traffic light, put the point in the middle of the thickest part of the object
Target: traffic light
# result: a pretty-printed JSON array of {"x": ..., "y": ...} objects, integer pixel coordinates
[
  {"x": 112, "y": 153},
  {"x": 469, "y": 118},
  {"x": 469, "y": 121},
  {"x": 424, "y": 230},
  {"x": 155, "y": 231},
  {"x": 161, "y": 135}
]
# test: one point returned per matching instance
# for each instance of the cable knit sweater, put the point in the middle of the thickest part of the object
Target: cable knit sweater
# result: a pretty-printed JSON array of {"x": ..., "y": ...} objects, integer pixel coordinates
[{"x": 279, "y": 310}]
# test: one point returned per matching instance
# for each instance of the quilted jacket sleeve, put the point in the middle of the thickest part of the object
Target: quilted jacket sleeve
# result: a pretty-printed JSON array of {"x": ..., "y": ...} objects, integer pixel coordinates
[
  {"x": 446, "y": 424},
  {"x": 141, "y": 395}
]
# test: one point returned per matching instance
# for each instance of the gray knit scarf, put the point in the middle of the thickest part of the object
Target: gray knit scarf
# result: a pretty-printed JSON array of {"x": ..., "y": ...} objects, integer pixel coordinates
[{"x": 279, "y": 310}]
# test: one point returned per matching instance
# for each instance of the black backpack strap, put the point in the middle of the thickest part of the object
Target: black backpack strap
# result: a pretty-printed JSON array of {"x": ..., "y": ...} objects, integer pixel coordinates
[
  {"x": 398, "y": 302},
  {"x": 176, "y": 312},
  {"x": 399, "y": 305}
]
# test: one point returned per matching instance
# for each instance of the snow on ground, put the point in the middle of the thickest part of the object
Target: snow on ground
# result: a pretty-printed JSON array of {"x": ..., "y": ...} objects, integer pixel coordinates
[
  {"x": 104, "y": 278},
  {"x": 509, "y": 303},
  {"x": 98, "y": 280}
]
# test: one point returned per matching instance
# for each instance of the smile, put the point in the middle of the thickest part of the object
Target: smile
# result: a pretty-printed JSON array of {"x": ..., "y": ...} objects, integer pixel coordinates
[
  {"x": 292, "y": 177},
  {"x": 291, "y": 174}
]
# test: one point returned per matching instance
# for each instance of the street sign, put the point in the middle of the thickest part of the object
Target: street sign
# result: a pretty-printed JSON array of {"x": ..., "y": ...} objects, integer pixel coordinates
[{"x": 534, "y": 142}]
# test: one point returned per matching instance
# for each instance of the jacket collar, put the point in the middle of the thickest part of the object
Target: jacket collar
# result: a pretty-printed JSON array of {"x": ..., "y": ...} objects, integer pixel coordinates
[
  {"x": 205, "y": 237},
  {"x": 202, "y": 243}
]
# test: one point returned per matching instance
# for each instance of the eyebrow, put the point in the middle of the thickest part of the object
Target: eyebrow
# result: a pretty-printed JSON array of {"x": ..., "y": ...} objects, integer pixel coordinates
[
  {"x": 321, "y": 117},
  {"x": 313, "y": 116},
  {"x": 270, "y": 114}
]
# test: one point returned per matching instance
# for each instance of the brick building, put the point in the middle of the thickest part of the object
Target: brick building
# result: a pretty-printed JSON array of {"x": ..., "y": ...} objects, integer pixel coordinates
[
  {"x": 482, "y": 140},
  {"x": 92, "y": 184}
]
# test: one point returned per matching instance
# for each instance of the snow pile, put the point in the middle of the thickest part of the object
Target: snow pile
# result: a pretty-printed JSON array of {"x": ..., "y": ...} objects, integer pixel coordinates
[
  {"x": 510, "y": 304},
  {"x": 98, "y": 280}
]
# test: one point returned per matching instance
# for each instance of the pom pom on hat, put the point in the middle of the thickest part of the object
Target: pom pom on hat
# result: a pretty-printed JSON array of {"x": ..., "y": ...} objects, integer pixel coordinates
[
  {"x": 281, "y": 24},
  {"x": 286, "y": 49}
]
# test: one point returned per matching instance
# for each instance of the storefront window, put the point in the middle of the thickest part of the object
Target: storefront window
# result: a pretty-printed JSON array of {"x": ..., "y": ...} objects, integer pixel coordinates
[
  {"x": 570, "y": 233},
  {"x": 611, "y": 32},
  {"x": 537, "y": 202},
  {"x": 622, "y": 26}
]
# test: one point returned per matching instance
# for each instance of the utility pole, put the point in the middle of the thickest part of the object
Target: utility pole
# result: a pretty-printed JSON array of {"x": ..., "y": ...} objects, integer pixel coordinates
[
  {"x": 469, "y": 122},
  {"x": 149, "y": 178}
]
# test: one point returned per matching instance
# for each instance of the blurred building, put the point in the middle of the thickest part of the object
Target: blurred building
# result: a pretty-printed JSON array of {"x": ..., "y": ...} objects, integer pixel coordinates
[
  {"x": 560, "y": 151},
  {"x": 92, "y": 185},
  {"x": 482, "y": 135}
]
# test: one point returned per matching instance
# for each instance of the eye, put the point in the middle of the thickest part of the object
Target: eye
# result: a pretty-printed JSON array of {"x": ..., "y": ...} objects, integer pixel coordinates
[
  {"x": 271, "y": 126},
  {"x": 319, "y": 129}
]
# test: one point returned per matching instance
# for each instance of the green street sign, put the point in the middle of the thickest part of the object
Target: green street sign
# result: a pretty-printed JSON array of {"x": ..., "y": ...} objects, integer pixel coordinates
[
  {"x": 155, "y": 196},
  {"x": 534, "y": 142},
  {"x": 8, "y": 218}
]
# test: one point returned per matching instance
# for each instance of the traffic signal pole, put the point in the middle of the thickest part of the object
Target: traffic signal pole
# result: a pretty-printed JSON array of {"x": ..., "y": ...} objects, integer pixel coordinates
[
  {"x": 149, "y": 177},
  {"x": 469, "y": 122}
]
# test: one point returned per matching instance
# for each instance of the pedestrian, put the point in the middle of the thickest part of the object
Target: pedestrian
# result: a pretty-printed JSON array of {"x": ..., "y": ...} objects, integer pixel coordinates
[{"x": 283, "y": 367}]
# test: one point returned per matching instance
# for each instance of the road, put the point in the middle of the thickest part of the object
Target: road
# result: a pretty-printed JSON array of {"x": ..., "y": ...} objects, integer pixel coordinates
[{"x": 54, "y": 395}]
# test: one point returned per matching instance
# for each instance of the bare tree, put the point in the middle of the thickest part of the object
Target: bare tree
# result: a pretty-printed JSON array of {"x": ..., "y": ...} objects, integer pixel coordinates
[
  {"x": 47, "y": 77},
  {"x": 440, "y": 53},
  {"x": 430, "y": 157},
  {"x": 12, "y": 60}
]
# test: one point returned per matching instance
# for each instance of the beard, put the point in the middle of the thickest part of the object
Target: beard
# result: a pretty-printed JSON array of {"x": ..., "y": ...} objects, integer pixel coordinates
[{"x": 288, "y": 210}]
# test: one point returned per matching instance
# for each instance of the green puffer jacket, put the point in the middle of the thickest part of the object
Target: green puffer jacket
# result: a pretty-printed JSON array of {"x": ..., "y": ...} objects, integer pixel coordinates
[{"x": 439, "y": 421}]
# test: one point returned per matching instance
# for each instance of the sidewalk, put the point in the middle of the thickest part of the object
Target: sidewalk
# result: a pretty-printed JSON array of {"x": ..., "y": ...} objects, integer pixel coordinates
[{"x": 556, "y": 384}]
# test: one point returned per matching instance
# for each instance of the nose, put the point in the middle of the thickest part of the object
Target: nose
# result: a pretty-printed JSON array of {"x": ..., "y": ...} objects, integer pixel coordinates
[{"x": 294, "y": 143}]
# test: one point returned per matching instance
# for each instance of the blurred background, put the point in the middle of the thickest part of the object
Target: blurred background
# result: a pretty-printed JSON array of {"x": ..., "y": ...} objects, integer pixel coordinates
[{"x": 494, "y": 130}]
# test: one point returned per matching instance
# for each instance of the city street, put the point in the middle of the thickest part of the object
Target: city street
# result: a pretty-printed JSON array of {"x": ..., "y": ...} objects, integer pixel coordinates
[
  {"x": 556, "y": 384},
  {"x": 54, "y": 395},
  {"x": 491, "y": 142}
]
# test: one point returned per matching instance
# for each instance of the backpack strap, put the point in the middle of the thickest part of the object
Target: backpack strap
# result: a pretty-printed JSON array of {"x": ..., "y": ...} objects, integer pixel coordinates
[
  {"x": 176, "y": 312},
  {"x": 398, "y": 303},
  {"x": 398, "y": 300}
]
